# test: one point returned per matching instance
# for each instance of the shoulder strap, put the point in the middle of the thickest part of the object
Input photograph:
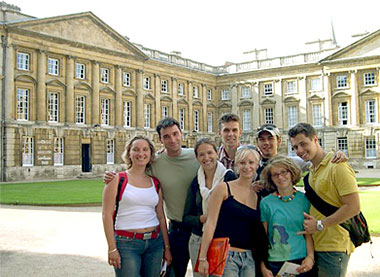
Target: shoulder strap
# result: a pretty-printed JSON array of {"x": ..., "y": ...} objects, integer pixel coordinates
[
  {"x": 228, "y": 188},
  {"x": 123, "y": 181},
  {"x": 156, "y": 183},
  {"x": 322, "y": 206}
]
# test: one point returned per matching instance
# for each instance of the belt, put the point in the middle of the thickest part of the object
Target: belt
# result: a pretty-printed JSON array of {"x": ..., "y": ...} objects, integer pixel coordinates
[{"x": 143, "y": 236}]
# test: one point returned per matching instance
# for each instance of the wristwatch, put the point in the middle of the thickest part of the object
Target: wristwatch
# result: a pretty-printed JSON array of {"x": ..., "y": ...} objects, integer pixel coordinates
[{"x": 320, "y": 225}]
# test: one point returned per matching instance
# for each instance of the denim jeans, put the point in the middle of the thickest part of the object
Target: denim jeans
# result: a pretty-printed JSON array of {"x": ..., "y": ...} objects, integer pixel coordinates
[
  {"x": 331, "y": 263},
  {"x": 179, "y": 247},
  {"x": 194, "y": 245},
  {"x": 139, "y": 257},
  {"x": 240, "y": 264}
]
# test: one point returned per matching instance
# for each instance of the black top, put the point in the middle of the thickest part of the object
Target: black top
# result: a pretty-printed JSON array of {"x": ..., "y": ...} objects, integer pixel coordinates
[
  {"x": 193, "y": 207},
  {"x": 240, "y": 223}
]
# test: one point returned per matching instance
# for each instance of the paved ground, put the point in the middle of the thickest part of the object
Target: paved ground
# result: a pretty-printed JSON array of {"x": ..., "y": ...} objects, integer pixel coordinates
[{"x": 67, "y": 241}]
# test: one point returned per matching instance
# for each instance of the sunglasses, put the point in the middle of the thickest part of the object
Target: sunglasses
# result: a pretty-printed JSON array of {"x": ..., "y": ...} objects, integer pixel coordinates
[
  {"x": 246, "y": 146},
  {"x": 267, "y": 127}
]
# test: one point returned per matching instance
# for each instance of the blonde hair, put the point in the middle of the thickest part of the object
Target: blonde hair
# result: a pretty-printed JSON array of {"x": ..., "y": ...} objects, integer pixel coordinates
[
  {"x": 126, "y": 156},
  {"x": 243, "y": 152},
  {"x": 280, "y": 161}
]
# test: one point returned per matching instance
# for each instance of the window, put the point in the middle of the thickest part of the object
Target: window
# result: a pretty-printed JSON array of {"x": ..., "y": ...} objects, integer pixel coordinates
[
  {"x": 196, "y": 120},
  {"x": 342, "y": 145},
  {"x": 268, "y": 89},
  {"x": 341, "y": 81},
  {"x": 105, "y": 112},
  {"x": 53, "y": 107},
  {"x": 209, "y": 94},
  {"x": 225, "y": 94},
  {"x": 370, "y": 148},
  {"x": 104, "y": 75},
  {"x": 80, "y": 104},
  {"x": 246, "y": 120},
  {"x": 209, "y": 122},
  {"x": 126, "y": 79},
  {"x": 164, "y": 85},
  {"x": 146, "y": 82},
  {"x": 370, "y": 111},
  {"x": 292, "y": 116},
  {"x": 369, "y": 78},
  {"x": 291, "y": 87},
  {"x": 320, "y": 141},
  {"x": 180, "y": 89},
  {"x": 127, "y": 110},
  {"x": 53, "y": 66},
  {"x": 343, "y": 113},
  {"x": 246, "y": 92},
  {"x": 27, "y": 152},
  {"x": 22, "y": 104},
  {"x": 195, "y": 92},
  {"x": 147, "y": 116},
  {"x": 316, "y": 84},
  {"x": 317, "y": 115},
  {"x": 181, "y": 116},
  {"x": 110, "y": 151},
  {"x": 23, "y": 60},
  {"x": 268, "y": 116},
  {"x": 58, "y": 151},
  {"x": 165, "y": 111},
  {"x": 80, "y": 71}
]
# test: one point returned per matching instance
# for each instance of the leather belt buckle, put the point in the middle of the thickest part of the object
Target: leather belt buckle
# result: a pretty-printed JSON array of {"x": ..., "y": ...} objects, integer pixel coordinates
[{"x": 147, "y": 236}]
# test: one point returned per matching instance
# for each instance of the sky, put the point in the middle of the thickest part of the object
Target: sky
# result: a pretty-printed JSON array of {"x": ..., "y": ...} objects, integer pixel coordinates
[{"x": 216, "y": 31}]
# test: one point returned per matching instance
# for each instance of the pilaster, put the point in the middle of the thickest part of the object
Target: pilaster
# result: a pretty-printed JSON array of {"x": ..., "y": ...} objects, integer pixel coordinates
[
  {"x": 204, "y": 108},
  {"x": 95, "y": 93},
  {"x": 40, "y": 104},
  {"x": 140, "y": 100},
  {"x": 191, "y": 115},
  {"x": 303, "y": 103},
  {"x": 175, "y": 97},
  {"x": 327, "y": 100},
  {"x": 354, "y": 100},
  {"x": 118, "y": 100},
  {"x": 9, "y": 82},
  {"x": 70, "y": 106},
  {"x": 234, "y": 99},
  {"x": 157, "y": 88}
]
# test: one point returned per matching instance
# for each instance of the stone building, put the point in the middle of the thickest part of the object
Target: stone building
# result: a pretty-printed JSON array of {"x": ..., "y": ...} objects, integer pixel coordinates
[{"x": 74, "y": 91}]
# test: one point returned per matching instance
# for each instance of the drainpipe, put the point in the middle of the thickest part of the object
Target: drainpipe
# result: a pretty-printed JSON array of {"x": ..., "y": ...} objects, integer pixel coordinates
[{"x": 4, "y": 43}]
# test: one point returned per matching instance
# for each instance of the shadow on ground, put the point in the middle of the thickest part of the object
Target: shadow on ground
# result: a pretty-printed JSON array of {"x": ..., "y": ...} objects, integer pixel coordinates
[{"x": 18, "y": 263}]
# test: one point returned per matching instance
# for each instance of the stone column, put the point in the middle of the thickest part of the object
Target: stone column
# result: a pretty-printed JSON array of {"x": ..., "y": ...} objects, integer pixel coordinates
[
  {"x": 327, "y": 100},
  {"x": 191, "y": 115},
  {"x": 175, "y": 97},
  {"x": 157, "y": 98},
  {"x": 95, "y": 93},
  {"x": 354, "y": 100},
  {"x": 118, "y": 99},
  {"x": 278, "y": 109},
  {"x": 204, "y": 108},
  {"x": 303, "y": 96},
  {"x": 70, "y": 103},
  {"x": 256, "y": 105},
  {"x": 234, "y": 99},
  {"x": 40, "y": 103},
  {"x": 9, "y": 83},
  {"x": 140, "y": 100}
]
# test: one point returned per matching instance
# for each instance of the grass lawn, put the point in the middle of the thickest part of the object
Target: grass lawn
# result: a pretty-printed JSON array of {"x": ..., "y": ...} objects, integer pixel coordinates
[
  {"x": 53, "y": 193},
  {"x": 370, "y": 206}
]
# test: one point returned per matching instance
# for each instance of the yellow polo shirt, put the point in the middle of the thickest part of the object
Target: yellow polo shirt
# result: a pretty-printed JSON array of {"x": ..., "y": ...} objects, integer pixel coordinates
[{"x": 331, "y": 181}]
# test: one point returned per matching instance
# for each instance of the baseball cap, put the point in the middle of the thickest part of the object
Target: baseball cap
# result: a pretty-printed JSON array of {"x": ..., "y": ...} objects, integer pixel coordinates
[{"x": 270, "y": 128}]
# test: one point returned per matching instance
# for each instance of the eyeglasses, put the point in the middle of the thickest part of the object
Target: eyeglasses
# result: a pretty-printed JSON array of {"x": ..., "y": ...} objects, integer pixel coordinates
[
  {"x": 246, "y": 146},
  {"x": 282, "y": 174}
]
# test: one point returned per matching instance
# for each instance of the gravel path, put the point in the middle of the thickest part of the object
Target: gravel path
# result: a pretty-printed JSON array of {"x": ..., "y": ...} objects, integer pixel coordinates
[{"x": 68, "y": 241}]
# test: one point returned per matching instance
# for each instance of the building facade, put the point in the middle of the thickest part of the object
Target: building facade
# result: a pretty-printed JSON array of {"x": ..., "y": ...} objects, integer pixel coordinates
[{"x": 74, "y": 91}]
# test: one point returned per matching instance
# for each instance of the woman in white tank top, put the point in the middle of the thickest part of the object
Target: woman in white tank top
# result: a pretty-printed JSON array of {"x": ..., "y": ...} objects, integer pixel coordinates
[{"x": 138, "y": 239}]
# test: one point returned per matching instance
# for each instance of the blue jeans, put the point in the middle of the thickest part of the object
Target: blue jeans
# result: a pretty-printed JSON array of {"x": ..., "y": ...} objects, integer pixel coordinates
[
  {"x": 240, "y": 264},
  {"x": 331, "y": 263},
  {"x": 194, "y": 245},
  {"x": 179, "y": 246},
  {"x": 139, "y": 257}
]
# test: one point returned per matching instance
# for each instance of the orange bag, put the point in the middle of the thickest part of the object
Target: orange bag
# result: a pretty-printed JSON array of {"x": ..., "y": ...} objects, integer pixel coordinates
[{"x": 216, "y": 256}]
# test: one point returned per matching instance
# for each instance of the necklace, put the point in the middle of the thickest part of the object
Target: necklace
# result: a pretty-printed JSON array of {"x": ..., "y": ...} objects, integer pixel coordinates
[
  {"x": 135, "y": 175},
  {"x": 291, "y": 197}
]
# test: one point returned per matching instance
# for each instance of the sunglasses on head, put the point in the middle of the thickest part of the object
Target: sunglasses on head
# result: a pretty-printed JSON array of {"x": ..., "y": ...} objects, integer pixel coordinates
[
  {"x": 267, "y": 127},
  {"x": 247, "y": 146}
]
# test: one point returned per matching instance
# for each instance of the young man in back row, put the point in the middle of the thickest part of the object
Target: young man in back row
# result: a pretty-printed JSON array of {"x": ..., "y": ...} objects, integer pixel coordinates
[{"x": 336, "y": 185}]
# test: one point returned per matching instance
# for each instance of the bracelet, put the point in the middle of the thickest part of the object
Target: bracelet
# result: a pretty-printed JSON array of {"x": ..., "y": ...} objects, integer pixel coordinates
[
  {"x": 113, "y": 250},
  {"x": 308, "y": 256},
  {"x": 167, "y": 246},
  {"x": 202, "y": 259}
]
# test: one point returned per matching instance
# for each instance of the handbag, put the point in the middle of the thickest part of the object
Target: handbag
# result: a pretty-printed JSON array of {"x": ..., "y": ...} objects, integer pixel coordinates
[
  {"x": 216, "y": 256},
  {"x": 356, "y": 226}
]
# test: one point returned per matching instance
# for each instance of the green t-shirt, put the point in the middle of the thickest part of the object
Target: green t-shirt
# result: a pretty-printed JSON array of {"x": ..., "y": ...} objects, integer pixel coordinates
[{"x": 175, "y": 176}]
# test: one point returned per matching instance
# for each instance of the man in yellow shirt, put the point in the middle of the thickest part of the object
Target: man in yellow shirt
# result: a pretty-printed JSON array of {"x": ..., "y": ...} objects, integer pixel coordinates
[{"x": 335, "y": 184}]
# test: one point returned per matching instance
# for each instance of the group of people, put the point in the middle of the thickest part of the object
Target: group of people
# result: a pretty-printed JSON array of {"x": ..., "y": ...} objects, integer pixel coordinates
[{"x": 244, "y": 192}]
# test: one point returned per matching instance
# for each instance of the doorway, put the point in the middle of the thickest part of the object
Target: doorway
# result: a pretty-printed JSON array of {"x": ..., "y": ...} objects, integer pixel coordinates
[{"x": 86, "y": 158}]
